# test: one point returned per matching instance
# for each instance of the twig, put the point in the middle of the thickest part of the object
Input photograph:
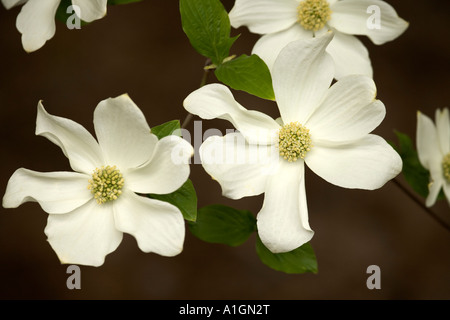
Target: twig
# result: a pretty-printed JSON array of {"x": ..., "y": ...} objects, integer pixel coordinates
[
  {"x": 421, "y": 204},
  {"x": 202, "y": 83}
]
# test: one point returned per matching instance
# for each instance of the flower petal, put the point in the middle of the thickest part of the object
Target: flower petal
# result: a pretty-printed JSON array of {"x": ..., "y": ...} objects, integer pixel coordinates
[
  {"x": 427, "y": 141},
  {"x": 367, "y": 163},
  {"x": 11, "y": 3},
  {"x": 167, "y": 170},
  {"x": 301, "y": 76},
  {"x": 157, "y": 226},
  {"x": 348, "y": 112},
  {"x": 350, "y": 56},
  {"x": 36, "y": 23},
  {"x": 91, "y": 10},
  {"x": 283, "y": 220},
  {"x": 84, "y": 236},
  {"x": 443, "y": 129},
  {"x": 264, "y": 16},
  {"x": 76, "y": 142},
  {"x": 434, "y": 188},
  {"x": 241, "y": 169},
  {"x": 217, "y": 101},
  {"x": 123, "y": 133},
  {"x": 270, "y": 45},
  {"x": 355, "y": 17},
  {"x": 56, "y": 192}
]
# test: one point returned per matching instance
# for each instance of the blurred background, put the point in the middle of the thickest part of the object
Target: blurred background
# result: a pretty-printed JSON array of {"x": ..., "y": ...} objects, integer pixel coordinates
[{"x": 140, "y": 49}]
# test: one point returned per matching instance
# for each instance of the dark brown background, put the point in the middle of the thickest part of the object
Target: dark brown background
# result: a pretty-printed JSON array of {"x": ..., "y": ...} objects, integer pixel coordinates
[{"x": 141, "y": 49}]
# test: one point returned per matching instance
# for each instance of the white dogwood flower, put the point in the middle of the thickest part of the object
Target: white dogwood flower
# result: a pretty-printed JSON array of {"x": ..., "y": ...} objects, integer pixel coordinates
[
  {"x": 433, "y": 149},
  {"x": 36, "y": 20},
  {"x": 89, "y": 209},
  {"x": 328, "y": 128},
  {"x": 283, "y": 21}
]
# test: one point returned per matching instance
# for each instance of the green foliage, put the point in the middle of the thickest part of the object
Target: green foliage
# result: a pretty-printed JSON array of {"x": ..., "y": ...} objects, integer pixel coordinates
[
  {"x": 207, "y": 25},
  {"x": 222, "y": 224},
  {"x": 247, "y": 73},
  {"x": 300, "y": 260},
  {"x": 62, "y": 15},
  {"x": 185, "y": 199},
  {"x": 415, "y": 174},
  {"x": 166, "y": 129}
]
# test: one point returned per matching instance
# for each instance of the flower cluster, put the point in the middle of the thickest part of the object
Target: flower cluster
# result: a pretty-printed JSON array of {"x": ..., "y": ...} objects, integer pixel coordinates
[{"x": 320, "y": 77}]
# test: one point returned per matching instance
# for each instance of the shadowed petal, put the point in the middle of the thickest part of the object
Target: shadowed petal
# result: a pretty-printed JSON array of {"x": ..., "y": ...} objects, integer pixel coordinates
[
  {"x": 283, "y": 220},
  {"x": 56, "y": 192},
  {"x": 36, "y": 23},
  {"x": 123, "y": 133},
  {"x": 301, "y": 76},
  {"x": 166, "y": 171},
  {"x": 157, "y": 226},
  {"x": 91, "y": 10},
  {"x": 84, "y": 236},
  {"x": 264, "y": 16},
  {"x": 354, "y": 17},
  {"x": 75, "y": 141},
  {"x": 367, "y": 163}
]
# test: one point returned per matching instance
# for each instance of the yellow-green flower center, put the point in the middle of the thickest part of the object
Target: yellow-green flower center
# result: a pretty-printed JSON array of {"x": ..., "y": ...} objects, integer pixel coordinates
[
  {"x": 106, "y": 184},
  {"x": 446, "y": 167},
  {"x": 313, "y": 14},
  {"x": 294, "y": 141}
]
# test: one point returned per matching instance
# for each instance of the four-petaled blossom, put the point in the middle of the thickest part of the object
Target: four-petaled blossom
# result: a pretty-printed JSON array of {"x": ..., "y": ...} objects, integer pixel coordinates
[
  {"x": 36, "y": 20},
  {"x": 89, "y": 209},
  {"x": 283, "y": 21},
  {"x": 433, "y": 149},
  {"x": 328, "y": 128}
]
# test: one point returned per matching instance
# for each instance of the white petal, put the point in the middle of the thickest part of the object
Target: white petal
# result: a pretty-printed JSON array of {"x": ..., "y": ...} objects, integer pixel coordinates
[
  {"x": 443, "y": 129},
  {"x": 56, "y": 192},
  {"x": 241, "y": 169},
  {"x": 264, "y": 16},
  {"x": 283, "y": 220},
  {"x": 167, "y": 170},
  {"x": 367, "y": 163},
  {"x": 157, "y": 226},
  {"x": 373, "y": 18},
  {"x": 84, "y": 236},
  {"x": 36, "y": 23},
  {"x": 301, "y": 76},
  {"x": 91, "y": 10},
  {"x": 348, "y": 112},
  {"x": 434, "y": 187},
  {"x": 427, "y": 141},
  {"x": 123, "y": 133},
  {"x": 11, "y": 3},
  {"x": 217, "y": 101},
  {"x": 270, "y": 45},
  {"x": 350, "y": 56},
  {"x": 76, "y": 142}
]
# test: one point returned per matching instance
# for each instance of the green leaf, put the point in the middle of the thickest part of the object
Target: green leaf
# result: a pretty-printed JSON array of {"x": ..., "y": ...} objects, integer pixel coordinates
[
  {"x": 63, "y": 16},
  {"x": 113, "y": 2},
  {"x": 184, "y": 199},
  {"x": 300, "y": 260},
  {"x": 222, "y": 224},
  {"x": 247, "y": 73},
  {"x": 166, "y": 129},
  {"x": 415, "y": 174},
  {"x": 207, "y": 25}
]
